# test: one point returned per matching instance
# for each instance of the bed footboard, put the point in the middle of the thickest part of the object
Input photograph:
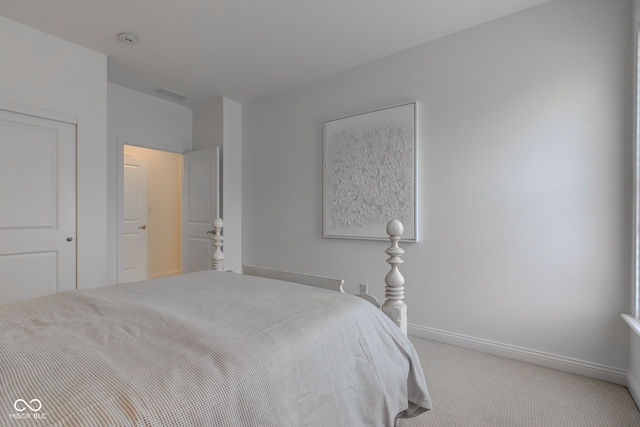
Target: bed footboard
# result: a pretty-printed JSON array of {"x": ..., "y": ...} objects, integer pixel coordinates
[
  {"x": 290, "y": 276},
  {"x": 394, "y": 306}
]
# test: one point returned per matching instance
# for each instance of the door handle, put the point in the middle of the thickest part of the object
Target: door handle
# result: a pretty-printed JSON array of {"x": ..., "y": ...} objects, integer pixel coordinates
[{"x": 143, "y": 227}]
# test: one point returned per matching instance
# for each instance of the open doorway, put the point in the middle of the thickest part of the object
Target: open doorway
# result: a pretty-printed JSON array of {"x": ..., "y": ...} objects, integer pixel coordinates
[{"x": 150, "y": 230}]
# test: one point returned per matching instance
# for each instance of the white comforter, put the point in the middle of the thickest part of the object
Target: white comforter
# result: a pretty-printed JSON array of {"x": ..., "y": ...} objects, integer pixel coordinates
[{"x": 205, "y": 349}]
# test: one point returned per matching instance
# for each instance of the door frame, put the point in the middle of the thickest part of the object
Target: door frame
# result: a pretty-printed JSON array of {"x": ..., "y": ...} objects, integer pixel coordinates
[
  {"x": 122, "y": 141},
  {"x": 39, "y": 112}
]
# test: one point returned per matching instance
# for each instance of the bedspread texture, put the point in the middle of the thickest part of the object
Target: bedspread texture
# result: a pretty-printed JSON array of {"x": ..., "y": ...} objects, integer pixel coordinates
[{"x": 205, "y": 349}]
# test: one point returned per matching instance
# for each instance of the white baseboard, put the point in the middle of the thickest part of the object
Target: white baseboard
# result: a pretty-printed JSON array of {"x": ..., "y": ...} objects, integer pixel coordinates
[
  {"x": 634, "y": 388},
  {"x": 561, "y": 363}
]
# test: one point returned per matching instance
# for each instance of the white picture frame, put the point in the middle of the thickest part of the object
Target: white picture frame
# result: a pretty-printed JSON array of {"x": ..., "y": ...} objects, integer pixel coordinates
[{"x": 370, "y": 171}]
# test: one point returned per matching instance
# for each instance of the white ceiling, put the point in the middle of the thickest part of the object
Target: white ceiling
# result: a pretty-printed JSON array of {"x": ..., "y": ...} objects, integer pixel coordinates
[{"x": 246, "y": 49}]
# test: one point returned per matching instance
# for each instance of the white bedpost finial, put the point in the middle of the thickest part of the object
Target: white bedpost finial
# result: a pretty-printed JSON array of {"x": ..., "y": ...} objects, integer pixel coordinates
[
  {"x": 217, "y": 259},
  {"x": 394, "y": 306}
]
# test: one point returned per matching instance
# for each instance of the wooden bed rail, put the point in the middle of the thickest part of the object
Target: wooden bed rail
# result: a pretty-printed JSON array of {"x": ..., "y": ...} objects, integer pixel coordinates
[
  {"x": 394, "y": 305},
  {"x": 290, "y": 276},
  {"x": 217, "y": 259}
]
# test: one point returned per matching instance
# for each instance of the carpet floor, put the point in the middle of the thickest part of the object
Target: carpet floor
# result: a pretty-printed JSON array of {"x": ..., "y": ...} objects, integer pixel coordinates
[{"x": 473, "y": 389}]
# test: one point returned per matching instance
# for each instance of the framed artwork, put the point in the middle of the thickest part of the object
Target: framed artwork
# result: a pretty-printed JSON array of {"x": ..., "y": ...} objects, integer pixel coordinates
[{"x": 370, "y": 173}]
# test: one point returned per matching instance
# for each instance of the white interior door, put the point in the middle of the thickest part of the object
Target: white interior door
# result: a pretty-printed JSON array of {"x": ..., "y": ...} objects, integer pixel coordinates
[
  {"x": 200, "y": 206},
  {"x": 37, "y": 206},
  {"x": 135, "y": 224}
]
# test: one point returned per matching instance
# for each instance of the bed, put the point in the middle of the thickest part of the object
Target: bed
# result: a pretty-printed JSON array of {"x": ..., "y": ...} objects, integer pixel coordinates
[{"x": 210, "y": 348}]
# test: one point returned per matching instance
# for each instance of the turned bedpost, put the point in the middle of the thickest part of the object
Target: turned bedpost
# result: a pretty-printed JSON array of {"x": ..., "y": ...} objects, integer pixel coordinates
[
  {"x": 394, "y": 306},
  {"x": 217, "y": 259}
]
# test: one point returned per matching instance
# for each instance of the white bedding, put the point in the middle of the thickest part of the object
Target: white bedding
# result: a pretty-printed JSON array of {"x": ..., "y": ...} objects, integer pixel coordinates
[{"x": 205, "y": 349}]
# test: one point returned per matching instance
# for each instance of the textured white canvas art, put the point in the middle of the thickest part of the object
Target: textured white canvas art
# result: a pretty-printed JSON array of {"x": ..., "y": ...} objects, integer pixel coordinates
[{"x": 370, "y": 173}]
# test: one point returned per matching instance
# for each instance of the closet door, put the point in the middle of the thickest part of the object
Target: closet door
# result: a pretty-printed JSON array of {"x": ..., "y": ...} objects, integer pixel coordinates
[{"x": 37, "y": 206}]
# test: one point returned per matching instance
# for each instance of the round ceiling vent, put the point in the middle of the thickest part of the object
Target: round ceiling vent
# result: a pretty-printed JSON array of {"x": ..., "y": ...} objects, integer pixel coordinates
[{"x": 127, "y": 38}]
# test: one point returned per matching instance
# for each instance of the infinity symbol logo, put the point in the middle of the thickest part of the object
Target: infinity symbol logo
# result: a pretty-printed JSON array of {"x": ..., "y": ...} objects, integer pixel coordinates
[{"x": 26, "y": 405}]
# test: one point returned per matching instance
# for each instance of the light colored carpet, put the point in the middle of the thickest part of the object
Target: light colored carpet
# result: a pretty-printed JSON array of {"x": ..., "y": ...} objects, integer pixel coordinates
[{"x": 472, "y": 389}]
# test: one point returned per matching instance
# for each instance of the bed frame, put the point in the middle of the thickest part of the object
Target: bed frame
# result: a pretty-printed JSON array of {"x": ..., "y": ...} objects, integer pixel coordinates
[
  {"x": 393, "y": 306},
  {"x": 290, "y": 276}
]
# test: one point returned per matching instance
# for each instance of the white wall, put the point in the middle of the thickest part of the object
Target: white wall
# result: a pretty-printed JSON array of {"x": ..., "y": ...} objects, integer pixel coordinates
[
  {"x": 208, "y": 125},
  {"x": 219, "y": 124},
  {"x": 525, "y": 176},
  {"x": 46, "y": 72},
  {"x": 232, "y": 185},
  {"x": 145, "y": 121}
]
